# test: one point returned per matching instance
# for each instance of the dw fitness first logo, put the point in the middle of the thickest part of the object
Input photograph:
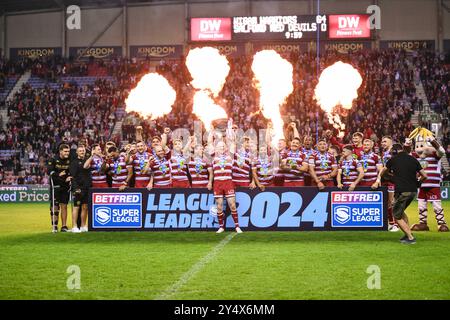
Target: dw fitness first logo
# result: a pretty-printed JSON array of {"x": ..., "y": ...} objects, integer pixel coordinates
[
  {"x": 117, "y": 210},
  {"x": 357, "y": 209}
]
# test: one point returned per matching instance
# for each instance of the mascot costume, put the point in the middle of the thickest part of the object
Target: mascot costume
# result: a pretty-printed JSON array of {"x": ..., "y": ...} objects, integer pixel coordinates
[{"x": 429, "y": 153}]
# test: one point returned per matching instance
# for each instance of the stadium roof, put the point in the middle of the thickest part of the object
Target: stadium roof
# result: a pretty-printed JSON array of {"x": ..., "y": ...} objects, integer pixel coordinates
[
  {"x": 10, "y": 6},
  {"x": 7, "y": 6}
]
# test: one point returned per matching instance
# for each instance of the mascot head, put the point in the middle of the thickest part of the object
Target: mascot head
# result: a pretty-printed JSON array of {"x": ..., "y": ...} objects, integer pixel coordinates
[{"x": 422, "y": 145}]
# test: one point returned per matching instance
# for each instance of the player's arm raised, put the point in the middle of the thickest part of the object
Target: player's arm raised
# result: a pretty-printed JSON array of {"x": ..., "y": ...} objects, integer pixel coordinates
[
  {"x": 440, "y": 151},
  {"x": 165, "y": 137}
]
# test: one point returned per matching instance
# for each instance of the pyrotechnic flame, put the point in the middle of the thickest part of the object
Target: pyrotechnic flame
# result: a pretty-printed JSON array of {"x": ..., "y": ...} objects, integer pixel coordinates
[
  {"x": 153, "y": 97},
  {"x": 273, "y": 78},
  {"x": 209, "y": 70},
  {"x": 203, "y": 103},
  {"x": 338, "y": 85}
]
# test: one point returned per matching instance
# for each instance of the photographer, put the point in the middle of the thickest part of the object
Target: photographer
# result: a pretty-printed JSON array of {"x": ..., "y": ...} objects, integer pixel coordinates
[{"x": 404, "y": 168}]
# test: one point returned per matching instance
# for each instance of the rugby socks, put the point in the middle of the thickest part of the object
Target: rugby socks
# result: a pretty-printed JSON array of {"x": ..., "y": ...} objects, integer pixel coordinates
[
  {"x": 221, "y": 217},
  {"x": 439, "y": 212},
  {"x": 235, "y": 218},
  {"x": 423, "y": 214}
]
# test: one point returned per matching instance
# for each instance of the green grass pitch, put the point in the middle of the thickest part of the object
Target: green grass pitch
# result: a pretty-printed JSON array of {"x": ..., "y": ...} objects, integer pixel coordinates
[{"x": 252, "y": 265}]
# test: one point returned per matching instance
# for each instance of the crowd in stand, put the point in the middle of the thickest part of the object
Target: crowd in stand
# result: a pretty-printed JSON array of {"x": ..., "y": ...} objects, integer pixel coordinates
[
  {"x": 435, "y": 76},
  {"x": 39, "y": 119}
]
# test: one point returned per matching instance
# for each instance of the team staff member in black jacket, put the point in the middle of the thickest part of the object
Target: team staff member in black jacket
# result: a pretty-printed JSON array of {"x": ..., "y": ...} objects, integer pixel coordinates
[
  {"x": 58, "y": 169},
  {"x": 81, "y": 182},
  {"x": 405, "y": 169}
]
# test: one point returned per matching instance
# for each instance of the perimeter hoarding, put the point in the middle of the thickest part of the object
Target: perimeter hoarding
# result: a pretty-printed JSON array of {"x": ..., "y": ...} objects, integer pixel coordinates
[
  {"x": 18, "y": 53},
  {"x": 275, "y": 209},
  {"x": 24, "y": 193},
  {"x": 156, "y": 52},
  {"x": 408, "y": 45}
]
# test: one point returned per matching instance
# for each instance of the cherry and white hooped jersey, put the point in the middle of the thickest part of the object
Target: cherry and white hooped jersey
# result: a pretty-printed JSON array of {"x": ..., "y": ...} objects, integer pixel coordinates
[
  {"x": 282, "y": 155},
  {"x": 179, "y": 167},
  {"x": 322, "y": 163},
  {"x": 308, "y": 153},
  {"x": 264, "y": 170},
  {"x": 139, "y": 161},
  {"x": 357, "y": 152},
  {"x": 431, "y": 164},
  {"x": 295, "y": 160},
  {"x": 98, "y": 177},
  {"x": 242, "y": 165},
  {"x": 349, "y": 171},
  {"x": 369, "y": 162},
  {"x": 198, "y": 169},
  {"x": 222, "y": 167},
  {"x": 119, "y": 167},
  {"x": 162, "y": 173}
]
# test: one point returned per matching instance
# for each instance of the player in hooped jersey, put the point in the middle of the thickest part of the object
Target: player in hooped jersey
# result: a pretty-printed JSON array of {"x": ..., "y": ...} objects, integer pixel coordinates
[
  {"x": 322, "y": 166},
  {"x": 294, "y": 163},
  {"x": 357, "y": 140},
  {"x": 140, "y": 160},
  {"x": 96, "y": 164},
  {"x": 179, "y": 165},
  {"x": 350, "y": 171},
  {"x": 200, "y": 170},
  {"x": 222, "y": 168},
  {"x": 282, "y": 150},
  {"x": 118, "y": 169},
  {"x": 371, "y": 164},
  {"x": 263, "y": 169},
  {"x": 308, "y": 151},
  {"x": 386, "y": 154},
  {"x": 159, "y": 166},
  {"x": 242, "y": 165},
  {"x": 429, "y": 153}
]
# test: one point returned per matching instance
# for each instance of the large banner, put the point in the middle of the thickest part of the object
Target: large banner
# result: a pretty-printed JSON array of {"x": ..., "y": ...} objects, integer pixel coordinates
[
  {"x": 17, "y": 53},
  {"x": 156, "y": 52},
  {"x": 104, "y": 53},
  {"x": 24, "y": 193},
  {"x": 282, "y": 209},
  {"x": 408, "y": 45}
]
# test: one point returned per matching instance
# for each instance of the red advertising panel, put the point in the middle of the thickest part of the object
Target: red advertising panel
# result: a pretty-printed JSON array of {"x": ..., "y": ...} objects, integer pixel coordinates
[
  {"x": 348, "y": 26},
  {"x": 210, "y": 29}
]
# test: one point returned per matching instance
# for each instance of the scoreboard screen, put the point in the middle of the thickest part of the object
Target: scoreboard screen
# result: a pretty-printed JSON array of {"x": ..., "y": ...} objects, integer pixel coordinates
[{"x": 280, "y": 27}]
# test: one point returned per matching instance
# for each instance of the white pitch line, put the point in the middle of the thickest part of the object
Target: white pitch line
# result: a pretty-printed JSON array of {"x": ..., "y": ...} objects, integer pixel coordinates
[{"x": 173, "y": 289}]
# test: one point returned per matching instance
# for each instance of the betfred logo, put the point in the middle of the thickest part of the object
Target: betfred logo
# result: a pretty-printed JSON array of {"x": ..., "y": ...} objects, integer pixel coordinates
[
  {"x": 210, "y": 29},
  {"x": 112, "y": 198},
  {"x": 349, "y": 26}
]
